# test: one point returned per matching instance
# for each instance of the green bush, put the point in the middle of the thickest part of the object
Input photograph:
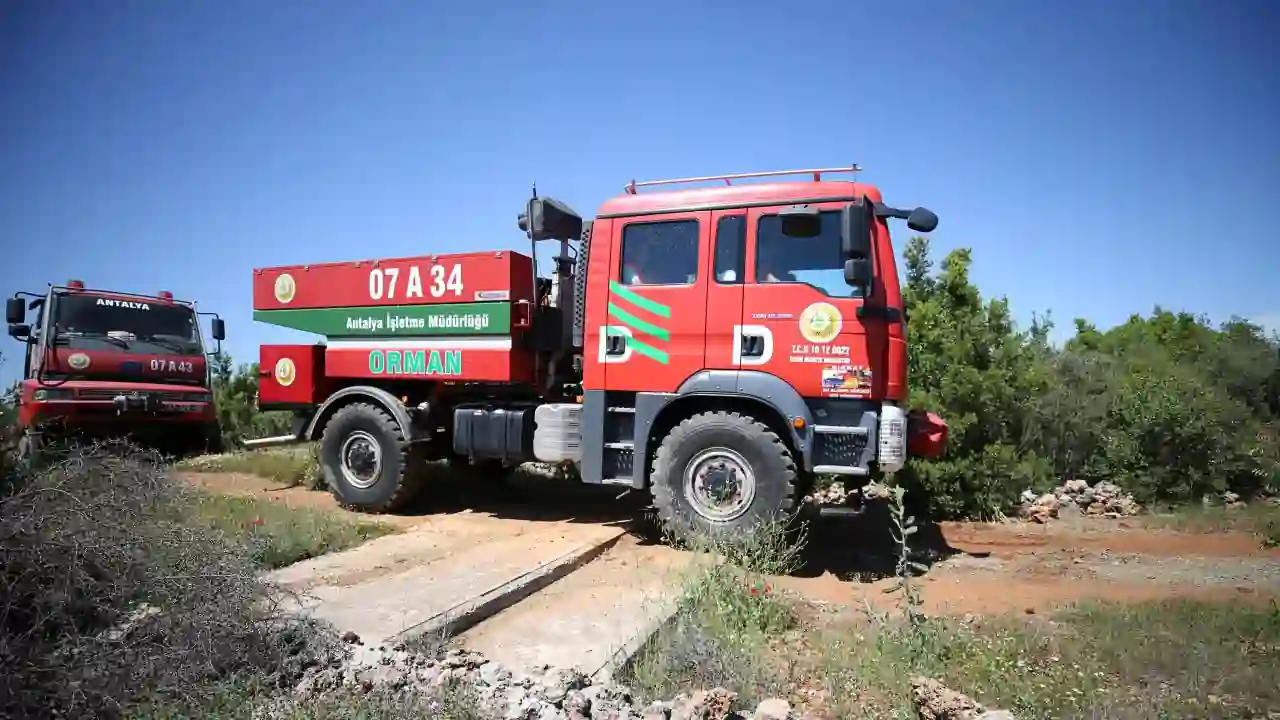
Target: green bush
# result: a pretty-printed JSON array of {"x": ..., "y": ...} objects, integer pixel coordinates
[{"x": 1168, "y": 406}]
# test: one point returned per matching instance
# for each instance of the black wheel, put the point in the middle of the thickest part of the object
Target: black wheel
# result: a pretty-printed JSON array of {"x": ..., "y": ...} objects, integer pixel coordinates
[
  {"x": 366, "y": 461},
  {"x": 722, "y": 472},
  {"x": 213, "y": 444}
]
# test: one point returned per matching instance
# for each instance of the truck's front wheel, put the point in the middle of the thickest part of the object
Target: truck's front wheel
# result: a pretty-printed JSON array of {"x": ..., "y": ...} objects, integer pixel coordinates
[
  {"x": 365, "y": 460},
  {"x": 722, "y": 472}
]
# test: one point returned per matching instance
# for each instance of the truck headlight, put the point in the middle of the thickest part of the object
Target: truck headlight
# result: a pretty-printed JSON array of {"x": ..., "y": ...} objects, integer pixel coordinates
[{"x": 46, "y": 394}]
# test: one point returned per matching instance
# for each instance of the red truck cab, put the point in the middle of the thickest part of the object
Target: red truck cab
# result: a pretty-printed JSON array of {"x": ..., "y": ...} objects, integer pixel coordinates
[{"x": 112, "y": 364}]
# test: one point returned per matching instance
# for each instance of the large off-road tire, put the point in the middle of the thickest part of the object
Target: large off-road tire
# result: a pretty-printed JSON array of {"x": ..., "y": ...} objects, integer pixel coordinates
[
  {"x": 366, "y": 462},
  {"x": 722, "y": 473}
]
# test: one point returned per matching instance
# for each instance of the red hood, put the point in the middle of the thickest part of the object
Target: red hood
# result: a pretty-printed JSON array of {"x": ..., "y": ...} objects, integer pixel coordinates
[{"x": 117, "y": 366}]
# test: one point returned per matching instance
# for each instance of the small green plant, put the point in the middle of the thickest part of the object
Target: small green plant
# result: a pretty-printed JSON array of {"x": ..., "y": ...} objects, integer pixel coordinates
[
  {"x": 729, "y": 617},
  {"x": 904, "y": 526}
]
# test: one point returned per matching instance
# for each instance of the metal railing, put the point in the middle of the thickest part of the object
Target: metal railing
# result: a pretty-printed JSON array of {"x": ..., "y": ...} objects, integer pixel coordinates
[{"x": 817, "y": 173}]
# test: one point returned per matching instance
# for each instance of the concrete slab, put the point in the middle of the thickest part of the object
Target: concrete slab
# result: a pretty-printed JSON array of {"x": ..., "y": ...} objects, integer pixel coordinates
[
  {"x": 593, "y": 619},
  {"x": 386, "y": 589}
]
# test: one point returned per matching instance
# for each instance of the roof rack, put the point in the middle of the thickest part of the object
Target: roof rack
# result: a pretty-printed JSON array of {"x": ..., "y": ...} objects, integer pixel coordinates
[{"x": 817, "y": 174}]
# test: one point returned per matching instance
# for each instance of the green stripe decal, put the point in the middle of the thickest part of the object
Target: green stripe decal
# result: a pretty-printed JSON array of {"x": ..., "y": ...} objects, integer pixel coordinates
[
  {"x": 648, "y": 350},
  {"x": 396, "y": 320},
  {"x": 639, "y": 346},
  {"x": 636, "y": 323},
  {"x": 638, "y": 300}
]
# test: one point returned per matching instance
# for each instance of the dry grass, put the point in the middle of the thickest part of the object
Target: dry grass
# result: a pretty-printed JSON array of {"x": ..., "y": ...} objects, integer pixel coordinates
[
  {"x": 275, "y": 535},
  {"x": 1260, "y": 519},
  {"x": 292, "y": 466},
  {"x": 1157, "y": 659}
]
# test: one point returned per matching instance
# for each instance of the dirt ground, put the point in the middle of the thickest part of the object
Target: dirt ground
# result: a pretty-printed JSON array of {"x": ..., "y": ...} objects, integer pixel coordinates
[
  {"x": 973, "y": 568},
  {"x": 984, "y": 568}
]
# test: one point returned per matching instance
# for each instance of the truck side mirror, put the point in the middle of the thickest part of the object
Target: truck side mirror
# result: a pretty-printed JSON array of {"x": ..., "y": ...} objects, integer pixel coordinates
[
  {"x": 801, "y": 221},
  {"x": 15, "y": 310},
  {"x": 219, "y": 329},
  {"x": 857, "y": 272},
  {"x": 549, "y": 219},
  {"x": 856, "y": 220},
  {"x": 922, "y": 220},
  {"x": 21, "y": 332}
]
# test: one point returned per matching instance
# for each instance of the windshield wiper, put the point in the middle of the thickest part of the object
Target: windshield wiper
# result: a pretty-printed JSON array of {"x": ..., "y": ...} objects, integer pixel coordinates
[
  {"x": 171, "y": 342},
  {"x": 66, "y": 339}
]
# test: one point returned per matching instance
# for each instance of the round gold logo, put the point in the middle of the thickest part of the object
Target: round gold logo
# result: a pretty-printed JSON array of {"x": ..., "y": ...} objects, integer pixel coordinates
[
  {"x": 285, "y": 372},
  {"x": 78, "y": 361},
  {"x": 285, "y": 288},
  {"x": 820, "y": 322}
]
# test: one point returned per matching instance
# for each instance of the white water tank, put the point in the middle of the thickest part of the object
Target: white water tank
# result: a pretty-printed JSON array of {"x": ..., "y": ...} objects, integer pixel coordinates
[{"x": 557, "y": 432}]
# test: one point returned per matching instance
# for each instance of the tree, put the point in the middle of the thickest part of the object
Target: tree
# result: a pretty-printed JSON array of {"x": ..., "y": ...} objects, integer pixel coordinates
[
  {"x": 236, "y": 393},
  {"x": 1167, "y": 405}
]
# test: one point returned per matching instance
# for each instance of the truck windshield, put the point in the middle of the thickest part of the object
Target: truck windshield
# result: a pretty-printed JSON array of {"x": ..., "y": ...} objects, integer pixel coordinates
[
  {"x": 89, "y": 322},
  {"x": 815, "y": 261}
]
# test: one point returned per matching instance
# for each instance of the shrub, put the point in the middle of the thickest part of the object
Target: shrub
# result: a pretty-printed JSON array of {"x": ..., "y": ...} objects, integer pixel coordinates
[{"x": 112, "y": 595}]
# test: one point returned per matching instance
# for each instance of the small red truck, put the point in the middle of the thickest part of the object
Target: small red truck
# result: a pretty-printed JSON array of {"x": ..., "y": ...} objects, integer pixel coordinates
[
  {"x": 104, "y": 363},
  {"x": 717, "y": 346}
]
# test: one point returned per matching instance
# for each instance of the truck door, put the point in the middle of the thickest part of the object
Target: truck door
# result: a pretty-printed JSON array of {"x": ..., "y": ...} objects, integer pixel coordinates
[
  {"x": 725, "y": 329},
  {"x": 655, "y": 331},
  {"x": 797, "y": 296}
]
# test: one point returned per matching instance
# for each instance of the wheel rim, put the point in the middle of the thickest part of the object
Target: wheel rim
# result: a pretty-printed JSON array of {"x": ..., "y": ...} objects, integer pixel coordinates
[
  {"x": 719, "y": 484},
  {"x": 361, "y": 460}
]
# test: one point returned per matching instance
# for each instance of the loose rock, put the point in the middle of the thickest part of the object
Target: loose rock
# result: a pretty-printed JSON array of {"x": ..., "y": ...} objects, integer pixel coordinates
[
  {"x": 1075, "y": 498},
  {"x": 935, "y": 701}
]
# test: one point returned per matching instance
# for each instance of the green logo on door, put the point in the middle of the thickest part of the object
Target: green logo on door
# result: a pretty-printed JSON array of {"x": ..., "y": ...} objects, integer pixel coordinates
[{"x": 638, "y": 324}]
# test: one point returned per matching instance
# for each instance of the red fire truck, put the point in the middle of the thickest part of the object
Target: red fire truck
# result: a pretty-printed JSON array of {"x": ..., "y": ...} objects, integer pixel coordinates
[
  {"x": 717, "y": 346},
  {"x": 104, "y": 363}
]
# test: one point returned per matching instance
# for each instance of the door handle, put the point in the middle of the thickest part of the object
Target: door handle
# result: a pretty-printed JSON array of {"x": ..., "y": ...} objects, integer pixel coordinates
[
  {"x": 615, "y": 345},
  {"x": 752, "y": 346}
]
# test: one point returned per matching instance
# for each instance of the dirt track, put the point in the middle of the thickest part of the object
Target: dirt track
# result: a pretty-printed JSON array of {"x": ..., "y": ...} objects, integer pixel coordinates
[{"x": 977, "y": 568}]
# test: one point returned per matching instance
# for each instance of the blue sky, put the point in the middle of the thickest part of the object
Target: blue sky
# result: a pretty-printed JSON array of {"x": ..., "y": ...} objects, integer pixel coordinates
[{"x": 1099, "y": 157}]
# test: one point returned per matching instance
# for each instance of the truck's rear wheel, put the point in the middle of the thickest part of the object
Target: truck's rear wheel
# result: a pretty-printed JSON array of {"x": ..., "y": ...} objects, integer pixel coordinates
[
  {"x": 365, "y": 460},
  {"x": 722, "y": 473}
]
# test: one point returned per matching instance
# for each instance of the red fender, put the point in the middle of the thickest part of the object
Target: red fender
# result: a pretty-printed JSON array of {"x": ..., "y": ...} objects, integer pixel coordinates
[{"x": 926, "y": 434}]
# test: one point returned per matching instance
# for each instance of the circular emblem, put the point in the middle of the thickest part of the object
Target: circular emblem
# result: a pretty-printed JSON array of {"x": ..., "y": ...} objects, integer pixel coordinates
[
  {"x": 285, "y": 288},
  {"x": 78, "y": 361},
  {"x": 285, "y": 372},
  {"x": 820, "y": 322}
]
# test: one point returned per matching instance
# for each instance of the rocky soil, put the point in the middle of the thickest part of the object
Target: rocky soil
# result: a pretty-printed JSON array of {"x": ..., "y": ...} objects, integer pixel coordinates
[{"x": 400, "y": 676}]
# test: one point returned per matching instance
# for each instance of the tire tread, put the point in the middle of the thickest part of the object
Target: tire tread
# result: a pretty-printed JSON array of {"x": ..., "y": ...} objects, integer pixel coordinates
[{"x": 664, "y": 496}]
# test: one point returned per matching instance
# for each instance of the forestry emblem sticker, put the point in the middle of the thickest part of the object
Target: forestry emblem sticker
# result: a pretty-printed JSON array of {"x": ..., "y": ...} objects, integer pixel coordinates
[
  {"x": 78, "y": 361},
  {"x": 285, "y": 288},
  {"x": 820, "y": 323},
  {"x": 286, "y": 372}
]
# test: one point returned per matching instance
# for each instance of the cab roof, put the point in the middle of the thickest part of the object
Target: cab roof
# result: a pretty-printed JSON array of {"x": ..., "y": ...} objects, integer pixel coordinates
[{"x": 736, "y": 196}]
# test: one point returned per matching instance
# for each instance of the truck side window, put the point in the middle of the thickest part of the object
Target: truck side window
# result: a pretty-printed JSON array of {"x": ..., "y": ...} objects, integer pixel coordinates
[
  {"x": 816, "y": 261},
  {"x": 660, "y": 253},
  {"x": 731, "y": 250}
]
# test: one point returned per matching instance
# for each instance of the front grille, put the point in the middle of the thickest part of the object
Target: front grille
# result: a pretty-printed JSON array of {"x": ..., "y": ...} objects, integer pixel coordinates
[{"x": 840, "y": 449}]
